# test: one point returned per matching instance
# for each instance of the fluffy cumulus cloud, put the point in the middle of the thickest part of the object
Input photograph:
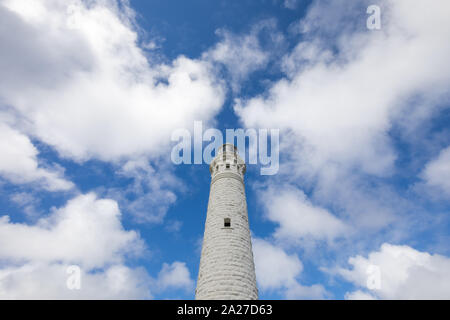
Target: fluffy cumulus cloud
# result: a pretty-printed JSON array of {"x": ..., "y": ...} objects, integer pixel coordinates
[
  {"x": 341, "y": 104},
  {"x": 404, "y": 273},
  {"x": 88, "y": 233},
  {"x": 279, "y": 271},
  {"x": 75, "y": 78},
  {"x": 437, "y": 172},
  {"x": 175, "y": 275},
  {"x": 75, "y": 72},
  {"x": 36, "y": 260},
  {"x": 50, "y": 281},
  {"x": 298, "y": 218},
  {"x": 19, "y": 163},
  {"x": 344, "y": 91}
]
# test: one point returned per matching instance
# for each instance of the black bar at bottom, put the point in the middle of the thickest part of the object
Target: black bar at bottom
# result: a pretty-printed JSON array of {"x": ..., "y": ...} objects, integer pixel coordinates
[{"x": 260, "y": 309}]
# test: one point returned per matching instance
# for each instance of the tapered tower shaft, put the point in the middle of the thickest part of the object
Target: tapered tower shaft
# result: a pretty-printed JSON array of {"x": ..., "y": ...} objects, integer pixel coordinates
[{"x": 227, "y": 270}]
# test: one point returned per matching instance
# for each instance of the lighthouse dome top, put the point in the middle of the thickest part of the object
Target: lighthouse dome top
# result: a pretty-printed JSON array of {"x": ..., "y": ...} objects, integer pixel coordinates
[
  {"x": 227, "y": 161},
  {"x": 227, "y": 147}
]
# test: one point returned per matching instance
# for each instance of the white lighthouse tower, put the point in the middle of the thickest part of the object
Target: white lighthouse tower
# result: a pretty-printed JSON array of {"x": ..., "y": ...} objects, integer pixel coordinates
[{"x": 227, "y": 270}]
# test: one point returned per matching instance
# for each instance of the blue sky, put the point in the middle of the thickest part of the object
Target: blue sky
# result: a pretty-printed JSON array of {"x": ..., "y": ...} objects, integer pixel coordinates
[{"x": 91, "y": 92}]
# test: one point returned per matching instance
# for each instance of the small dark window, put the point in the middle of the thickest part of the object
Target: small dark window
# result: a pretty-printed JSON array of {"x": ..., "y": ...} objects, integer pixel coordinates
[
  {"x": 228, "y": 166},
  {"x": 217, "y": 167},
  {"x": 227, "y": 222}
]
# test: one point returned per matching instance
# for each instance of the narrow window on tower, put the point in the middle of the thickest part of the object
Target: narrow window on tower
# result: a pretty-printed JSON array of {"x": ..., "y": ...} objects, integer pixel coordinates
[
  {"x": 227, "y": 222},
  {"x": 228, "y": 166}
]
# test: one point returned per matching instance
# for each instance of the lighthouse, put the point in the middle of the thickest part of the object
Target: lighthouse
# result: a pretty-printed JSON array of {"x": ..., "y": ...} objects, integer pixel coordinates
[{"x": 227, "y": 269}]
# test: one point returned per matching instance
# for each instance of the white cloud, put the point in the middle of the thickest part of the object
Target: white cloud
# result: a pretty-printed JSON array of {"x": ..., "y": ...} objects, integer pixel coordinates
[
  {"x": 298, "y": 218},
  {"x": 75, "y": 77},
  {"x": 341, "y": 105},
  {"x": 358, "y": 295},
  {"x": 240, "y": 54},
  {"x": 246, "y": 53},
  {"x": 75, "y": 73},
  {"x": 299, "y": 292},
  {"x": 437, "y": 171},
  {"x": 277, "y": 270},
  {"x": 19, "y": 163},
  {"x": 27, "y": 201},
  {"x": 175, "y": 275},
  {"x": 274, "y": 268},
  {"x": 87, "y": 232},
  {"x": 49, "y": 281},
  {"x": 345, "y": 88},
  {"x": 405, "y": 273}
]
